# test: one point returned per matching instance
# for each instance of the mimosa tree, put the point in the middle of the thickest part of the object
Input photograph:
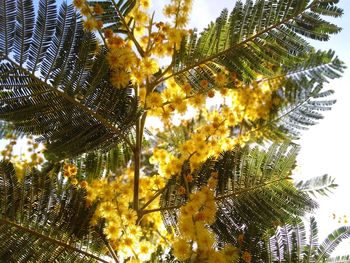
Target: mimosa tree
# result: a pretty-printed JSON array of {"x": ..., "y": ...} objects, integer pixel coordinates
[{"x": 161, "y": 144}]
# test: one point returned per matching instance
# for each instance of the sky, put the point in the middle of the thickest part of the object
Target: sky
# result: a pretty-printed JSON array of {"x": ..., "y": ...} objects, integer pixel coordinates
[{"x": 325, "y": 147}]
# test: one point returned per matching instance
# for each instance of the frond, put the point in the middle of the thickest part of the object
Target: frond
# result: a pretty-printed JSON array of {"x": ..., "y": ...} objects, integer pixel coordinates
[
  {"x": 286, "y": 243},
  {"x": 289, "y": 244},
  {"x": 111, "y": 18},
  {"x": 44, "y": 29},
  {"x": 319, "y": 66},
  {"x": 256, "y": 38},
  {"x": 7, "y": 25},
  {"x": 25, "y": 22},
  {"x": 253, "y": 190},
  {"x": 321, "y": 185},
  {"x": 99, "y": 163},
  {"x": 60, "y": 89},
  {"x": 304, "y": 104},
  {"x": 43, "y": 219},
  {"x": 339, "y": 259},
  {"x": 310, "y": 249},
  {"x": 331, "y": 242}
]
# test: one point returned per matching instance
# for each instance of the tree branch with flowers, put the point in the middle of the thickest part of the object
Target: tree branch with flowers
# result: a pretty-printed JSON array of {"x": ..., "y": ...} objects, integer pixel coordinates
[{"x": 164, "y": 144}]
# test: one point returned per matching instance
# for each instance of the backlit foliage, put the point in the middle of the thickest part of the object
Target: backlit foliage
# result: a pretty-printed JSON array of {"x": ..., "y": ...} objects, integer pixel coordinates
[{"x": 171, "y": 145}]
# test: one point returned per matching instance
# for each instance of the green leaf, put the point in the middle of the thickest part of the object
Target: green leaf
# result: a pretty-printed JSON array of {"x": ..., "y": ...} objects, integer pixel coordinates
[
  {"x": 60, "y": 89},
  {"x": 253, "y": 190},
  {"x": 255, "y": 38},
  {"x": 321, "y": 185},
  {"x": 331, "y": 242},
  {"x": 110, "y": 17},
  {"x": 289, "y": 244},
  {"x": 44, "y": 219}
]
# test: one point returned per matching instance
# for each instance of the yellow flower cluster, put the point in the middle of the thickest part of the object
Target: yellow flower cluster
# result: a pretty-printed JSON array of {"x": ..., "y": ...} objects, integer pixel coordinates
[
  {"x": 7, "y": 152},
  {"x": 134, "y": 58},
  {"x": 195, "y": 241},
  {"x": 130, "y": 236},
  {"x": 90, "y": 22},
  {"x": 70, "y": 171},
  {"x": 122, "y": 60},
  {"x": 213, "y": 131},
  {"x": 178, "y": 10},
  {"x": 23, "y": 162}
]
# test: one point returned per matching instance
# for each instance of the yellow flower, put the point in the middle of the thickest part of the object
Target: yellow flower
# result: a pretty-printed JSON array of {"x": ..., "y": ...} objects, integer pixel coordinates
[
  {"x": 121, "y": 58},
  {"x": 205, "y": 239},
  {"x": 198, "y": 101},
  {"x": 169, "y": 10},
  {"x": 130, "y": 216},
  {"x": 204, "y": 83},
  {"x": 79, "y": 3},
  {"x": 182, "y": 249},
  {"x": 128, "y": 242},
  {"x": 186, "y": 227},
  {"x": 149, "y": 66},
  {"x": 154, "y": 100},
  {"x": 120, "y": 79},
  {"x": 112, "y": 231},
  {"x": 221, "y": 79},
  {"x": 217, "y": 257},
  {"x": 181, "y": 20},
  {"x": 74, "y": 181},
  {"x": 140, "y": 17},
  {"x": 90, "y": 24},
  {"x": 134, "y": 230},
  {"x": 145, "y": 250},
  {"x": 98, "y": 9},
  {"x": 231, "y": 252},
  {"x": 146, "y": 4},
  {"x": 247, "y": 257},
  {"x": 186, "y": 88}
]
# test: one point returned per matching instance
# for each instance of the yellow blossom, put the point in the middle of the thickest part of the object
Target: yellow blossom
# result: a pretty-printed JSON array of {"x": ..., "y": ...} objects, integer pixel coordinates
[
  {"x": 79, "y": 3},
  {"x": 90, "y": 24},
  {"x": 154, "y": 100},
  {"x": 182, "y": 249},
  {"x": 120, "y": 79}
]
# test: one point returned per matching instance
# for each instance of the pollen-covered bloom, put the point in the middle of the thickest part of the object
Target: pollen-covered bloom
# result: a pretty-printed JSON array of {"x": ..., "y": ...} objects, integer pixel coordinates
[{"x": 182, "y": 249}]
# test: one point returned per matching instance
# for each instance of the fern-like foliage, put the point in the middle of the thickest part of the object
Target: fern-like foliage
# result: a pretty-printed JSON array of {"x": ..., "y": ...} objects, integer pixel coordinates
[
  {"x": 254, "y": 191},
  {"x": 54, "y": 80},
  {"x": 305, "y": 102},
  {"x": 339, "y": 259},
  {"x": 268, "y": 38},
  {"x": 97, "y": 164},
  {"x": 255, "y": 38},
  {"x": 42, "y": 219},
  {"x": 290, "y": 244},
  {"x": 302, "y": 91},
  {"x": 321, "y": 185},
  {"x": 113, "y": 10}
]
